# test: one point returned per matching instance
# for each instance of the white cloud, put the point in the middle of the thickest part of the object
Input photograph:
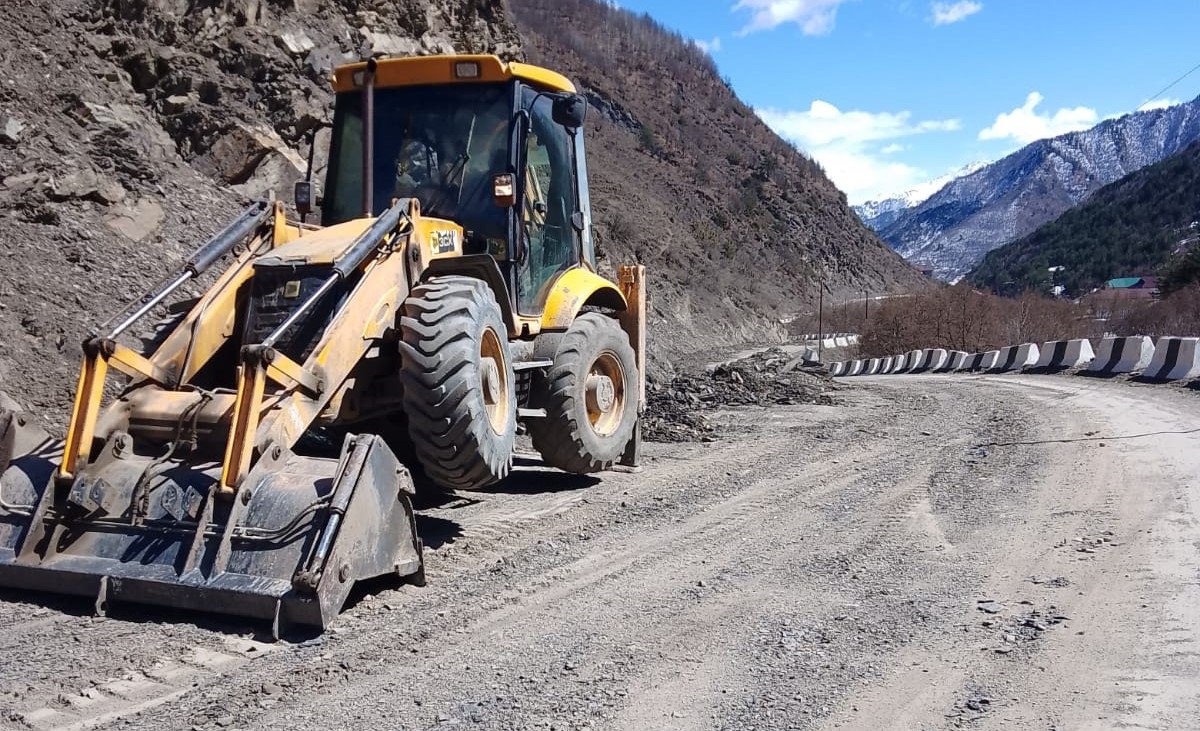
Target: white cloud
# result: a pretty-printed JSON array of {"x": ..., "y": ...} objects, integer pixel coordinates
[
  {"x": 849, "y": 145},
  {"x": 709, "y": 47},
  {"x": 815, "y": 17},
  {"x": 1025, "y": 124},
  {"x": 1159, "y": 104},
  {"x": 945, "y": 13}
]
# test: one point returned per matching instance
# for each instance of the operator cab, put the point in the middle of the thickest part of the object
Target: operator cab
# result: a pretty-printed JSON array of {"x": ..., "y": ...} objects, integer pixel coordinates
[{"x": 496, "y": 148}]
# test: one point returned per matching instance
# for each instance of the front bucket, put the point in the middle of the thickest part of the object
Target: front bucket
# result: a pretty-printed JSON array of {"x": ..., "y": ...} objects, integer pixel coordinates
[{"x": 287, "y": 548}]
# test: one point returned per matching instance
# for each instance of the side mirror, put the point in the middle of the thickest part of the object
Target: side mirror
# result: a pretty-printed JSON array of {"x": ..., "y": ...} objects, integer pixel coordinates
[
  {"x": 569, "y": 110},
  {"x": 302, "y": 197},
  {"x": 504, "y": 190}
]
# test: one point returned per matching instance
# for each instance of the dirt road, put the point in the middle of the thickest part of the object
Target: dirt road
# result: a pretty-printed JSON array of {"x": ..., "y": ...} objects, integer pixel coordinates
[{"x": 934, "y": 552}]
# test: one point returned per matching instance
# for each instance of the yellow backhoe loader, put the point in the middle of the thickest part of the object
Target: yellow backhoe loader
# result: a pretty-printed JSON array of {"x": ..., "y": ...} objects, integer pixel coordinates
[{"x": 257, "y": 459}]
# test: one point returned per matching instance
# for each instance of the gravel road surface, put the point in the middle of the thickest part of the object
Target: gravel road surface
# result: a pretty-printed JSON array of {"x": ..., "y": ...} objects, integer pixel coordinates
[{"x": 1015, "y": 552}]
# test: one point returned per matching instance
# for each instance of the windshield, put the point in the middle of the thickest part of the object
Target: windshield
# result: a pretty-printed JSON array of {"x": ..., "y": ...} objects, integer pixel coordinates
[{"x": 440, "y": 144}]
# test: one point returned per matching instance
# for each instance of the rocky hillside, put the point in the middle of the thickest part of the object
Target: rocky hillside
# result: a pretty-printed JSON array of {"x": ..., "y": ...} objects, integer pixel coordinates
[
  {"x": 1128, "y": 228},
  {"x": 130, "y": 129},
  {"x": 1008, "y": 199},
  {"x": 736, "y": 226}
]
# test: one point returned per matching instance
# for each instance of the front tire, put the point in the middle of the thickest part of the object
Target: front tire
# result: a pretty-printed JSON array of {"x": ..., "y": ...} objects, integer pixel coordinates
[
  {"x": 459, "y": 387},
  {"x": 591, "y": 398}
]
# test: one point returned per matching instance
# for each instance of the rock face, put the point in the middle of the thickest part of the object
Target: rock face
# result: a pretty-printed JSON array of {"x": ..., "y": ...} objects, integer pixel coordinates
[
  {"x": 162, "y": 119},
  {"x": 970, "y": 216}
]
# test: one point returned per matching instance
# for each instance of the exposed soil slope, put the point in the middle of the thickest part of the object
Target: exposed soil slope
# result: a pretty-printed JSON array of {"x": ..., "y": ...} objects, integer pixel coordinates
[{"x": 131, "y": 129}]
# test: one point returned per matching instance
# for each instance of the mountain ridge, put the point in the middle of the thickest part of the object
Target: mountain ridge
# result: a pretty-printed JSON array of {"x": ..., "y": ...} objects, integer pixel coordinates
[
  {"x": 1128, "y": 228},
  {"x": 953, "y": 229}
]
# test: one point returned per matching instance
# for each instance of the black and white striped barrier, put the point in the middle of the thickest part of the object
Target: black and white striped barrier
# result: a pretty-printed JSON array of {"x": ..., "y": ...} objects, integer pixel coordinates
[
  {"x": 1059, "y": 355},
  {"x": 931, "y": 360},
  {"x": 1121, "y": 355},
  {"x": 911, "y": 360},
  {"x": 1015, "y": 357},
  {"x": 989, "y": 360},
  {"x": 954, "y": 362},
  {"x": 1174, "y": 359}
]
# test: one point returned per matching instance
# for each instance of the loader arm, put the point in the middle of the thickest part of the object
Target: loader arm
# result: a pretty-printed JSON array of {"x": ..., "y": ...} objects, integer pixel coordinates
[
  {"x": 203, "y": 331},
  {"x": 366, "y": 313}
]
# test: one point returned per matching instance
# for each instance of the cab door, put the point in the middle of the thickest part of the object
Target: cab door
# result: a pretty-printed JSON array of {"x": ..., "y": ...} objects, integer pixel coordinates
[{"x": 549, "y": 202}]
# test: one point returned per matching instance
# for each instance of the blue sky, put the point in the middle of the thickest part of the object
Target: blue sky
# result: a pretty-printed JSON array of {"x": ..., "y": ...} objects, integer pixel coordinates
[{"x": 890, "y": 94}]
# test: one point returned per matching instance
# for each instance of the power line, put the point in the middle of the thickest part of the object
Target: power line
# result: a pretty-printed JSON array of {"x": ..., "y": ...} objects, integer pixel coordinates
[{"x": 1168, "y": 87}]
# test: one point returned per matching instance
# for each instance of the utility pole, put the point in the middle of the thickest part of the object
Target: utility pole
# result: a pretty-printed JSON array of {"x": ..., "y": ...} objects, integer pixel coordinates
[
  {"x": 820, "y": 315},
  {"x": 866, "y": 307}
]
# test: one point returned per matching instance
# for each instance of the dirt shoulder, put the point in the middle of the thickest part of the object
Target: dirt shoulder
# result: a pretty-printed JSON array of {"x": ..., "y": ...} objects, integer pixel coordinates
[{"x": 929, "y": 553}]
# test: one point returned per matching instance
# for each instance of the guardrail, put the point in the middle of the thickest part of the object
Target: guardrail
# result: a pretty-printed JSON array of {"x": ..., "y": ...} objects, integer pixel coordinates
[{"x": 1167, "y": 359}]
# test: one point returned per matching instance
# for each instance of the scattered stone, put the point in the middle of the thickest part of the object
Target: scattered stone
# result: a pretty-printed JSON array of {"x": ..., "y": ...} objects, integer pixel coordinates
[
  {"x": 296, "y": 42},
  {"x": 138, "y": 221},
  {"x": 673, "y": 410},
  {"x": 990, "y": 606},
  {"x": 387, "y": 44},
  {"x": 88, "y": 185},
  {"x": 177, "y": 103},
  {"x": 10, "y": 132}
]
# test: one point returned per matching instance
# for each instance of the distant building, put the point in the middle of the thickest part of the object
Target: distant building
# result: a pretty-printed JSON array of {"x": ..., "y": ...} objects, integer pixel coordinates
[{"x": 1127, "y": 288}]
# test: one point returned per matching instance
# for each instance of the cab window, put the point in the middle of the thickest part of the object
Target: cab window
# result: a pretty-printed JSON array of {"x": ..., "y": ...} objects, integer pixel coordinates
[{"x": 549, "y": 201}]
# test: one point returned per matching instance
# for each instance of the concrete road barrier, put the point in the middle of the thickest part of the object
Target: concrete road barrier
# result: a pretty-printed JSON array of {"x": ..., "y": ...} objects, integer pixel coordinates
[
  {"x": 897, "y": 364},
  {"x": 973, "y": 362},
  {"x": 911, "y": 360},
  {"x": 835, "y": 369},
  {"x": 955, "y": 359},
  {"x": 989, "y": 360},
  {"x": 1174, "y": 359},
  {"x": 1062, "y": 354},
  {"x": 1016, "y": 357},
  {"x": 856, "y": 367},
  {"x": 1121, "y": 355},
  {"x": 931, "y": 360}
]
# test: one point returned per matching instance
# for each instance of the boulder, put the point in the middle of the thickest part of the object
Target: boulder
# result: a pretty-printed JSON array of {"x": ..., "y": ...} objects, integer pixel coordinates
[
  {"x": 296, "y": 43},
  {"x": 86, "y": 184},
  {"x": 388, "y": 44},
  {"x": 10, "y": 131},
  {"x": 138, "y": 221},
  {"x": 239, "y": 152}
]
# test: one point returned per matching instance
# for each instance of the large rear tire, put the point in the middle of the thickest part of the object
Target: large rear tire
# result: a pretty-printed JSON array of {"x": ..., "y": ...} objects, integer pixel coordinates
[
  {"x": 591, "y": 398},
  {"x": 458, "y": 381}
]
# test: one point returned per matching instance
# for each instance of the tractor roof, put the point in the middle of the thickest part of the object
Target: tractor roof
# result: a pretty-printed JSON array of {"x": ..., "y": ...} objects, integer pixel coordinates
[{"x": 428, "y": 70}]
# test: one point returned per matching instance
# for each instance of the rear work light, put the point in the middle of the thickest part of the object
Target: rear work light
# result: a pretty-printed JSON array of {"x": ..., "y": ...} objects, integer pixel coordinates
[{"x": 466, "y": 70}]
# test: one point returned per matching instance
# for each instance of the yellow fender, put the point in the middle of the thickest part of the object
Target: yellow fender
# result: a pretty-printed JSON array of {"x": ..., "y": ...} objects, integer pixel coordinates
[{"x": 574, "y": 289}]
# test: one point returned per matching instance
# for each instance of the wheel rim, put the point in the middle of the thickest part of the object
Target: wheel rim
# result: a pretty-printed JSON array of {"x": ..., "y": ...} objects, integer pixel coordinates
[
  {"x": 605, "y": 393},
  {"x": 493, "y": 380}
]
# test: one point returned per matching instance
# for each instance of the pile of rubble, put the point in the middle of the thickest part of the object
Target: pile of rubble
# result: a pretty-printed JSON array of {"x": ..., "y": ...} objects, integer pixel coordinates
[{"x": 769, "y": 377}]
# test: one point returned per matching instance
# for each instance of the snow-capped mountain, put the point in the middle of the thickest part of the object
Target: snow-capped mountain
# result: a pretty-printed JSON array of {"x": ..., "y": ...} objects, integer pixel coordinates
[
  {"x": 879, "y": 214},
  {"x": 973, "y": 214}
]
